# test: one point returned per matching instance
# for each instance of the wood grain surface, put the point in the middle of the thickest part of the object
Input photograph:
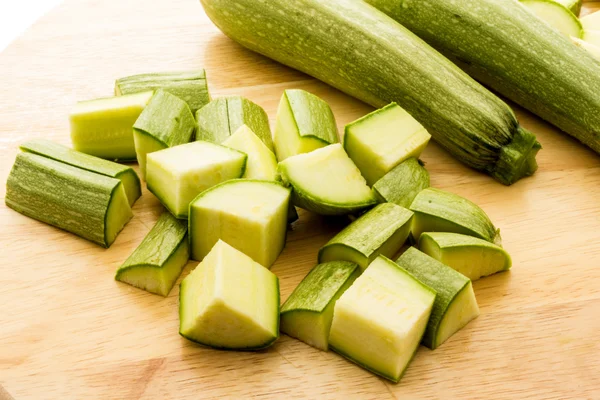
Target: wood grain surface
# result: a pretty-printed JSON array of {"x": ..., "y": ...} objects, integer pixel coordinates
[{"x": 69, "y": 331}]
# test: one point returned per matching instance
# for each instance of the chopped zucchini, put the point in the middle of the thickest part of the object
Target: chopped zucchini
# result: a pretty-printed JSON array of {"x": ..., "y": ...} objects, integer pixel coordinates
[
  {"x": 262, "y": 163},
  {"x": 402, "y": 184},
  {"x": 92, "y": 206},
  {"x": 587, "y": 46},
  {"x": 383, "y": 139},
  {"x": 573, "y": 5},
  {"x": 189, "y": 86},
  {"x": 439, "y": 211},
  {"x": 165, "y": 122},
  {"x": 326, "y": 181},
  {"x": 592, "y": 36},
  {"x": 250, "y": 215},
  {"x": 307, "y": 313},
  {"x": 178, "y": 174},
  {"x": 382, "y": 230},
  {"x": 103, "y": 127},
  {"x": 58, "y": 152},
  {"x": 157, "y": 262},
  {"x": 229, "y": 302},
  {"x": 591, "y": 21},
  {"x": 455, "y": 304},
  {"x": 380, "y": 320},
  {"x": 556, "y": 15},
  {"x": 472, "y": 257},
  {"x": 304, "y": 123}
]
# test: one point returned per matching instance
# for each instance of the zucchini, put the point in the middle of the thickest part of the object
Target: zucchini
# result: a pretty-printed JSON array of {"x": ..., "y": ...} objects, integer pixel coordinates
[
  {"x": 178, "y": 174},
  {"x": 587, "y": 46},
  {"x": 383, "y": 139},
  {"x": 58, "y": 152},
  {"x": 592, "y": 36},
  {"x": 472, "y": 257},
  {"x": 326, "y": 181},
  {"x": 402, "y": 184},
  {"x": 380, "y": 320},
  {"x": 189, "y": 86},
  {"x": 92, "y": 206},
  {"x": 591, "y": 21},
  {"x": 304, "y": 123},
  {"x": 556, "y": 15},
  {"x": 229, "y": 302},
  {"x": 261, "y": 163},
  {"x": 455, "y": 304},
  {"x": 308, "y": 312},
  {"x": 220, "y": 118},
  {"x": 382, "y": 230},
  {"x": 157, "y": 262},
  {"x": 165, "y": 122},
  {"x": 504, "y": 46},
  {"x": 250, "y": 215},
  {"x": 357, "y": 49},
  {"x": 103, "y": 127},
  {"x": 573, "y": 5},
  {"x": 439, "y": 211}
]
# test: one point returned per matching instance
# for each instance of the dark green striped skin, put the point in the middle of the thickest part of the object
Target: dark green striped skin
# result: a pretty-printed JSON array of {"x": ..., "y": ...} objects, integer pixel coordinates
[
  {"x": 361, "y": 51},
  {"x": 503, "y": 45}
]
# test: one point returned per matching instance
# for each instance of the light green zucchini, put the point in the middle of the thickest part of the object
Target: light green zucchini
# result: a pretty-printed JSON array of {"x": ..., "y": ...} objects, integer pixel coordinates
[
  {"x": 262, "y": 163},
  {"x": 58, "y": 152},
  {"x": 359, "y": 50},
  {"x": 92, "y": 206},
  {"x": 402, "y": 184},
  {"x": 556, "y": 15}
]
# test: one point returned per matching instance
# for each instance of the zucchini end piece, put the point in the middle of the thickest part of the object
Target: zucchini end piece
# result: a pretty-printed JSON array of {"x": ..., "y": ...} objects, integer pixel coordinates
[{"x": 517, "y": 159}]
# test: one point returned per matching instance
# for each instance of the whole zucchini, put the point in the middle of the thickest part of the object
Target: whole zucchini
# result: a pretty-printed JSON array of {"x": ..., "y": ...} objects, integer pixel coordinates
[
  {"x": 359, "y": 50},
  {"x": 506, "y": 47}
]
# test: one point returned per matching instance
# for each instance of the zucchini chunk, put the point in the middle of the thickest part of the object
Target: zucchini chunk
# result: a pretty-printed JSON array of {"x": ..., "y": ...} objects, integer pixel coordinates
[
  {"x": 229, "y": 302},
  {"x": 189, "y": 86},
  {"x": 304, "y": 123},
  {"x": 103, "y": 127},
  {"x": 591, "y": 21},
  {"x": 92, "y": 206},
  {"x": 380, "y": 320},
  {"x": 307, "y": 313},
  {"x": 58, "y": 152},
  {"x": 383, "y": 139},
  {"x": 178, "y": 174},
  {"x": 261, "y": 163},
  {"x": 472, "y": 257},
  {"x": 157, "y": 262},
  {"x": 250, "y": 215},
  {"x": 326, "y": 181},
  {"x": 382, "y": 230},
  {"x": 439, "y": 211},
  {"x": 573, "y": 5},
  {"x": 556, "y": 15},
  {"x": 165, "y": 122},
  {"x": 455, "y": 304},
  {"x": 402, "y": 184}
]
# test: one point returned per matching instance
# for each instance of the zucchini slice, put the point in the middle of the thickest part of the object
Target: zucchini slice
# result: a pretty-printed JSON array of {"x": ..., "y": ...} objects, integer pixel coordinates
[
  {"x": 326, "y": 181},
  {"x": 58, "y": 152},
  {"x": 383, "y": 139},
  {"x": 304, "y": 123},
  {"x": 250, "y": 215},
  {"x": 382, "y": 230},
  {"x": 178, "y": 174},
  {"x": 165, "y": 122},
  {"x": 402, "y": 184},
  {"x": 222, "y": 117},
  {"x": 380, "y": 320},
  {"x": 261, "y": 163},
  {"x": 556, "y": 15},
  {"x": 455, "y": 304},
  {"x": 92, "y": 206},
  {"x": 229, "y": 302},
  {"x": 189, "y": 86},
  {"x": 103, "y": 127},
  {"x": 573, "y": 5},
  {"x": 472, "y": 257},
  {"x": 439, "y": 211},
  {"x": 307, "y": 313},
  {"x": 157, "y": 262}
]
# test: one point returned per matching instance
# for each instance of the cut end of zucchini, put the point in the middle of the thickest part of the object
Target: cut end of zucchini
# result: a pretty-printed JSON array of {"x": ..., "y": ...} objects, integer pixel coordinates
[
  {"x": 117, "y": 215},
  {"x": 230, "y": 301},
  {"x": 557, "y": 15},
  {"x": 261, "y": 163},
  {"x": 402, "y": 184},
  {"x": 461, "y": 311}
]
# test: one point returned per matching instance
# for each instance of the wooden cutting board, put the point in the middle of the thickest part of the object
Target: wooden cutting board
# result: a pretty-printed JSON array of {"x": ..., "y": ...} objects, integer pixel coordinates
[{"x": 69, "y": 331}]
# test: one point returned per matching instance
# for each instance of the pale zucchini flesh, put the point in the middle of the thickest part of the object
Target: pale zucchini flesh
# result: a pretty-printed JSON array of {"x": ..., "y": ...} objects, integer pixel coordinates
[
  {"x": 402, "y": 184},
  {"x": 92, "y": 206},
  {"x": 229, "y": 302},
  {"x": 587, "y": 46},
  {"x": 307, "y": 313},
  {"x": 58, "y": 152},
  {"x": 261, "y": 163},
  {"x": 382, "y": 230},
  {"x": 557, "y": 15},
  {"x": 455, "y": 304},
  {"x": 591, "y": 21}
]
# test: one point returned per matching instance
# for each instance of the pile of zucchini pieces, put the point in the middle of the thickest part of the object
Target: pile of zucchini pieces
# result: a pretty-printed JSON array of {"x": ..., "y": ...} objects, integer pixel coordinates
[{"x": 230, "y": 192}]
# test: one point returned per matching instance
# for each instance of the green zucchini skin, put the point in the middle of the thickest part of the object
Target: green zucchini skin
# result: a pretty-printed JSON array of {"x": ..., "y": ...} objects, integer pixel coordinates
[
  {"x": 359, "y": 50},
  {"x": 503, "y": 45}
]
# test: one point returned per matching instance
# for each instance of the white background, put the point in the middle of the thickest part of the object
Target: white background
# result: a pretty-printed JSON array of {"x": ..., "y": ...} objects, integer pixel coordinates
[{"x": 18, "y": 15}]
